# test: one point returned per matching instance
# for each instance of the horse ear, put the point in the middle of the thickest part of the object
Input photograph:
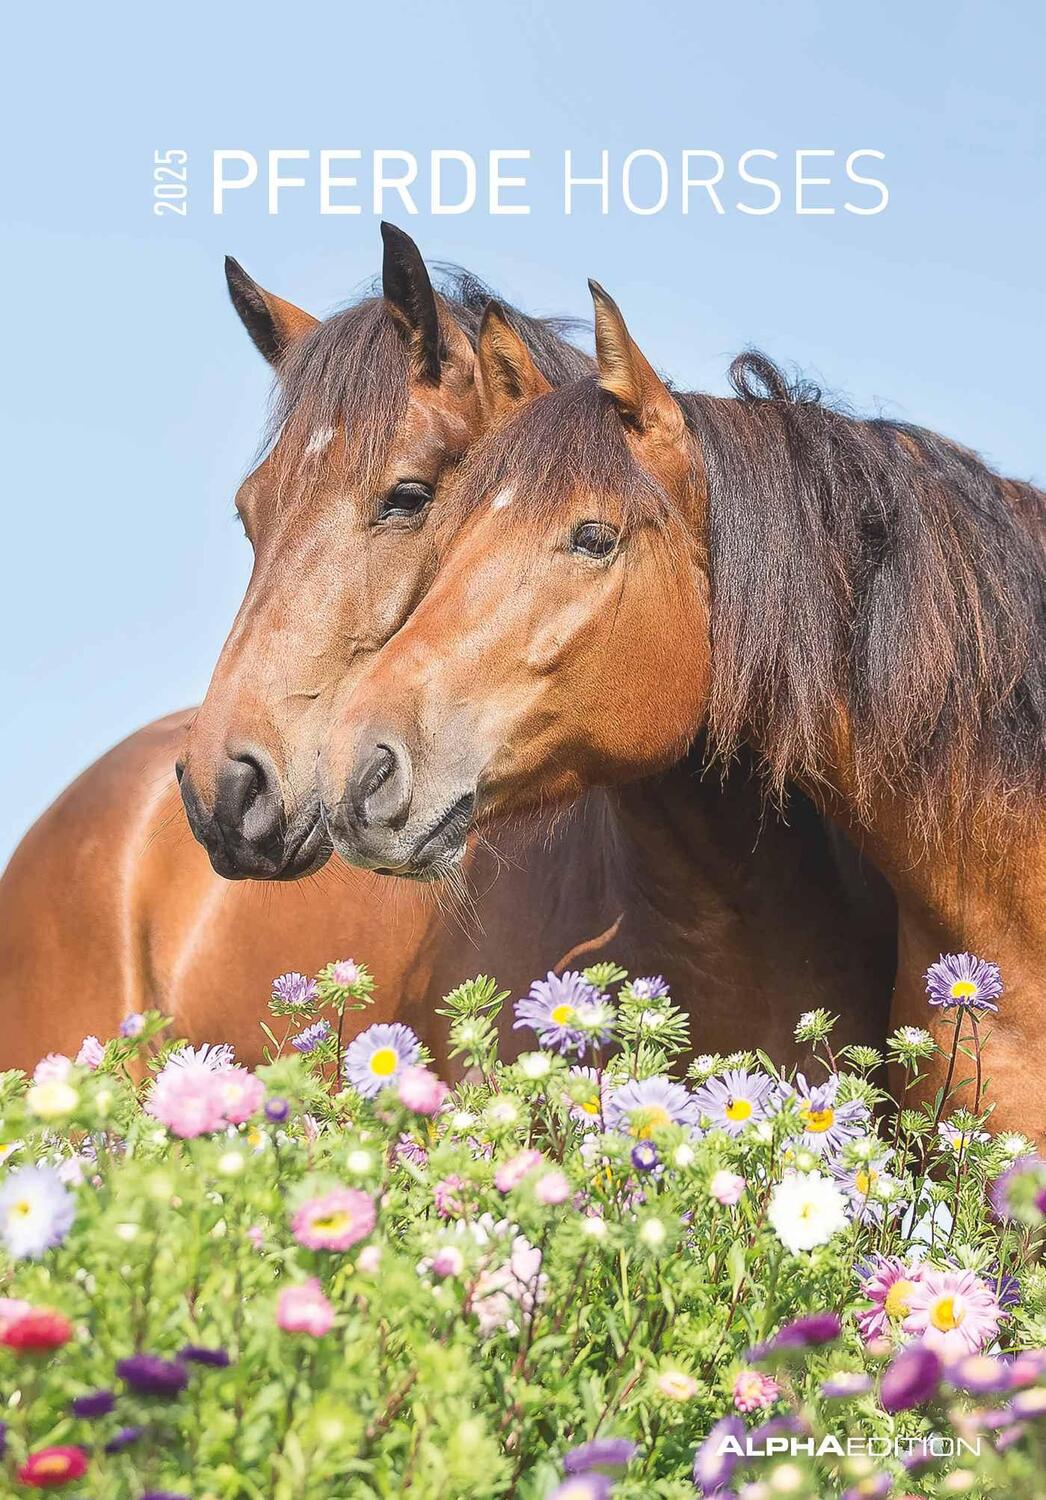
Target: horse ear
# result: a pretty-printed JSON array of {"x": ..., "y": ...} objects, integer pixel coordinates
[
  {"x": 626, "y": 374},
  {"x": 272, "y": 323},
  {"x": 411, "y": 300},
  {"x": 505, "y": 372}
]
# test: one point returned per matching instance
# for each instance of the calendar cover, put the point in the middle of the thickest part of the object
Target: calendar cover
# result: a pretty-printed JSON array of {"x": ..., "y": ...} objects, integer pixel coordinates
[{"x": 523, "y": 912}]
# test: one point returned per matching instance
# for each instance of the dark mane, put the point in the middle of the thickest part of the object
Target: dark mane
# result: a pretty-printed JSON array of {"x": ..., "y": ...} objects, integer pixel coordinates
[
  {"x": 879, "y": 569},
  {"x": 353, "y": 369}
]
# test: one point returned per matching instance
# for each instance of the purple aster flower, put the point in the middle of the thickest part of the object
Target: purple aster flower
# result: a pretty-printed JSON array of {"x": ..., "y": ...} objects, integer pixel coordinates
[
  {"x": 808, "y": 1332},
  {"x": 1004, "y": 1284},
  {"x": 859, "y": 1184},
  {"x": 980, "y": 1374},
  {"x": 567, "y": 1012},
  {"x": 911, "y": 1378},
  {"x": 1029, "y": 1404},
  {"x": 150, "y": 1375},
  {"x": 713, "y": 1467},
  {"x": 1010, "y": 1435},
  {"x": 827, "y": 1124},
  {"x": 378, "y": 1055},
  {"x": 200, "y": 1354},
  {"x": 644, "y": 1156},
  {"x": 277, "y": 1110},
  {"x": 1019, "y": 1193},
  {"x": 591, "y": 1486},
  {"x": 874, "y": 1487},
  {"x": 309, "y": 1039},
  {"x": 213, "y": 1057},
  {"x": 294, "y": 989},
  {"x": 132, "y": 1025},
  {"x": 734, "y": 1099},
  {"x": 789, "y": 1425},
  {"x": 963, "y": 979},
  {"x": 3, "y": 1438},
  {"x": 123, "y": 1439},
  {"x": 648, "y": 1104},
  {"x": 654, "y": 988},
  {"x": 606, "y": 1454},
  {"x": 94, "y": 1404},
  {"x": 844, "y": 1385}
]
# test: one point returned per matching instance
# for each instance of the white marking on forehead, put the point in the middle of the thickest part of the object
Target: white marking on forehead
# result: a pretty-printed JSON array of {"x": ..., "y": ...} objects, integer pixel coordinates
[
  {"x": 319, "y": 440},
  {"x": 502, "y": 498}
]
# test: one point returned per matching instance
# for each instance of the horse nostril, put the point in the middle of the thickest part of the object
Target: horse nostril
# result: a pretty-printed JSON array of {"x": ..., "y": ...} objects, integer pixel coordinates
[
  {"x": 380, "y": 787},
  {"x": 179, "y": 771},
  {"x": 247, "y": 800},
  {"x": 253, "y": 780},
  {"x": 371, "y": 779}
]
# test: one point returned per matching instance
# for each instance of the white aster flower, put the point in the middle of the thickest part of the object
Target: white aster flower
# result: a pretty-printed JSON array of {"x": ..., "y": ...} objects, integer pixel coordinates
[{"x": 806, "y": 1209}]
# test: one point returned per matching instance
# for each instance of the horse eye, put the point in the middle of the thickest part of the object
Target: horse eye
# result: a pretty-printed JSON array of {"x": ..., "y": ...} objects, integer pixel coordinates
[
  {"x": 409, "y": 498},
  {"x": 594, "y": 539}
]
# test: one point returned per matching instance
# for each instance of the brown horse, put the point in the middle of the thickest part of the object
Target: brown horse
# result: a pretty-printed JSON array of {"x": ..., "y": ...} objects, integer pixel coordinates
[
  {"x": 108, "y": 900},
  {"x": 108, "y": 905},
  {"x": 623, "y": 568}
]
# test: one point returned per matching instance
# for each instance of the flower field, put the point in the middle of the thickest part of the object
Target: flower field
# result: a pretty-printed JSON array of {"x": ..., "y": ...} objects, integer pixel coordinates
[{"x": 590, "y": 1271}]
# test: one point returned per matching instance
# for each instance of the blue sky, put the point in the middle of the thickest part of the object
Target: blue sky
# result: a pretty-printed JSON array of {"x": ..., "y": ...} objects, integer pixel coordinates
[{"x": 134, "y": 400}]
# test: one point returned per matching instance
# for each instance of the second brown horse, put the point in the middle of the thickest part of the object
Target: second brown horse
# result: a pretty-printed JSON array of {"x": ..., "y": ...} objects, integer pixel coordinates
[{"x": 858, "y": 604}]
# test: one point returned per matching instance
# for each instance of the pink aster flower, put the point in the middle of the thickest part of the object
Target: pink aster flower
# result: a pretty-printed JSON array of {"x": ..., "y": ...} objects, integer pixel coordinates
[
  {"x": 11, "y": 1309},
  {"x": 753, "y": 1390},
  {"x": 54, "y": 1068},
  {"x": 447, "y": 1261},
  {"x": 91, "y": 1053},
  {"x": 369, "y": 1260},
  {"x": 188, "y": 1100},
  {"x": 551, "y": 1189},
  {"x": 421, "y": 1091},
  {"x": 447, "y": 1197},
  {"x": 242, "y": 1094},
  {"x": 726, "y": 1188},
  {"x": 954, "y": 1312},
  {"x": 335, "y": 1221},
  {"x": 512, "y": 1172},
  {"x": 304, "y": 1309},
  {"x": 889, "y": 1284}
]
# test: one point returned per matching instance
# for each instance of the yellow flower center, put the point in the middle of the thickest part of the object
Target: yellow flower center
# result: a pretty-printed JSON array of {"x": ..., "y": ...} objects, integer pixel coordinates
[
  {"x": 817, "y": 1120},
  {"x": 335, "y": 1223},
  {"x": 945, "y": 1315},
  {"x": 738, "y": 1109},
  {"x": 22, "y": 1209},
  {"x": 51, "y": 1463},
  {"x": 864, "y": 1181},
  {"x": 562, "y": 1014},
  {"x": 963, "y": 989},
  {"x": 648, "y": 1119},
  {"x": 591, "y": 1104},
  {"x": 384, "y": 1061},
  {"x": 897, "y": 1299},
  {"x": 676, "y": 1385}
]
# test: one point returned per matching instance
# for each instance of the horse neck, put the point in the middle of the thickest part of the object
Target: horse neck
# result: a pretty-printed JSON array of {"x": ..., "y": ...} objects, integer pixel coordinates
[
  {"x": 979, "y": 887},
  {"x": 742, "y": 910}
]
